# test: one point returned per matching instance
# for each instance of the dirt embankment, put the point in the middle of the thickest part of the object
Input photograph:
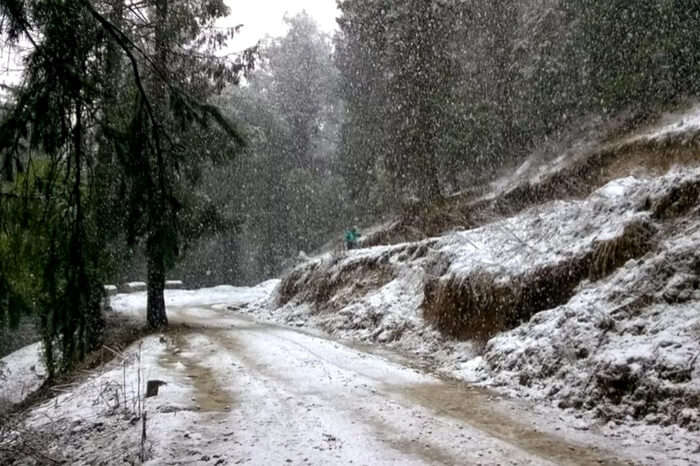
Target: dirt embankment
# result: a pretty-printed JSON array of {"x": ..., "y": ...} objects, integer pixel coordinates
[
  {"x": 625, "y": 346},
  {"x": 329, "y": 283}
]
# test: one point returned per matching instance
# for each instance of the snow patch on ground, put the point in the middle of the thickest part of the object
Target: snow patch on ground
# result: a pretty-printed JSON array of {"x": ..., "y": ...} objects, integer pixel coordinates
[
  {"x": 546, "y": 234},
  {"x": 679, "y": 123},
  {"x": 624, "y": 348},
  {"x": 21, "y": 373},
  {"x": 99, "y": 421},
  {"x": 135, "y": 303}
]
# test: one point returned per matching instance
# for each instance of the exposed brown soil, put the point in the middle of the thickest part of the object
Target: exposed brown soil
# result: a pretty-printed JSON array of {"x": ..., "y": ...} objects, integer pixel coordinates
[
  {"x": 209, "y": 396},
  {"x": 482, "y": 304}
]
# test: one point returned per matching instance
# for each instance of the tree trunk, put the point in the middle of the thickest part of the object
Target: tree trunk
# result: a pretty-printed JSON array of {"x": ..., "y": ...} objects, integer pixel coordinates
[
  {"x": 155, "y": 247},
  {"x": 155, "y": 306},
  {"x": 432, "y": 182}
]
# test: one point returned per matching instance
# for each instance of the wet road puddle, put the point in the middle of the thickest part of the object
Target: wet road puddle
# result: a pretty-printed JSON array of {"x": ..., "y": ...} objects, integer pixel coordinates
[{"x": 208, "y": 394}]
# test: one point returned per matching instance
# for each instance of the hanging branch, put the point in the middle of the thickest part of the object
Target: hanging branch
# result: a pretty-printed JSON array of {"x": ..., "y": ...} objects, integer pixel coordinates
[{"x": 126, "y": 45}]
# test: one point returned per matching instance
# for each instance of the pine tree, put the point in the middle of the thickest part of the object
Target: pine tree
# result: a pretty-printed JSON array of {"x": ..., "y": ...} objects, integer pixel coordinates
[
  {"x": 81, "y": 132},
  {"x": 53, "y": 112},
  {"x": 399, "y": 68},
  {"x": 174, "y": 83}
]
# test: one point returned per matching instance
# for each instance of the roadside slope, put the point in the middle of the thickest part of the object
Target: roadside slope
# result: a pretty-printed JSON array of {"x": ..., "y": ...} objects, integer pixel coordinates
[{"x": 585, "y": 301}]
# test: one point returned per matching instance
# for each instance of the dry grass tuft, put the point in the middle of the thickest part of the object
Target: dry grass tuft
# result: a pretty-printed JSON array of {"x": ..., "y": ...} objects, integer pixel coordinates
[
  {"x": 468, "y": 308},
  {"x": 480, "y": 305},
  {"x": 636, "y": 240},
  {"x": 649, "y": 158}
]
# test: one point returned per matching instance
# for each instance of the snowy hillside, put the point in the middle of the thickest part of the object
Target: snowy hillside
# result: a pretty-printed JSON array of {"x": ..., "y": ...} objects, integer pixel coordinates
[
  {"x": 590, "y": 304},
  {"x": 619, "y": 260}
]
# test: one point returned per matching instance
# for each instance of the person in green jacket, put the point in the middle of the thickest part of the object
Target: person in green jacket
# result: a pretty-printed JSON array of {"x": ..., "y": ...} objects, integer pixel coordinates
[{"x": 351, "y": 236}]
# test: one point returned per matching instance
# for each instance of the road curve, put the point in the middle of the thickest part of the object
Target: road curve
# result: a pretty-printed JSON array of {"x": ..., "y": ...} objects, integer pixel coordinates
[{"x": 264, "y": 394}]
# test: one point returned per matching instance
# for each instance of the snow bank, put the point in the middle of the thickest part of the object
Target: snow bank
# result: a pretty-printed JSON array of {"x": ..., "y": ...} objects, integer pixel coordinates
[
  {"x": 134, "y": 286},
  {"x": 367, "y": 295},
  {"x": 174, "y": 284},
  {"x": 104, "y": 410},
  {"x": 376, "y": 294},
  {"x": 490, "y": 278},
  {"x": 135, "y": 303},
  {"x": 21, "y": 374},
  {"x": 685, "y": 123},
  {"x": 550, "y": 233},
  {"x": 624, "y": 348}
]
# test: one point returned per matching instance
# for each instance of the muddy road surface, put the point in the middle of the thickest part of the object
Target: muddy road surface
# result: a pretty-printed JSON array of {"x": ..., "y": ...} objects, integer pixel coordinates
[{"x": 263, "y": 394}]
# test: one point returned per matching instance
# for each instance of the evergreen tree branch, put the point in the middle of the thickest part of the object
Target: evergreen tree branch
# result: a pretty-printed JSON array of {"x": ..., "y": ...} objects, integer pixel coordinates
[{"x": 126, "y": 45}]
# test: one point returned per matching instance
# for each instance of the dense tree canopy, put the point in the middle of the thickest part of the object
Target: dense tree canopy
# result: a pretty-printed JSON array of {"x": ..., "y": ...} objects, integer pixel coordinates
[
  {"x": 442, "y": 91},
  {"x": 102, "y": 131},
  {"x": 287, "y": 188}
]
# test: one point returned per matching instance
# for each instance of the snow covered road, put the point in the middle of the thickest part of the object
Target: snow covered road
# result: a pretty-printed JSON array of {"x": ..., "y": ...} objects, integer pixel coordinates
[
  {"x": 262, "y": 394},
  {"x": 238, "y": 391}
]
